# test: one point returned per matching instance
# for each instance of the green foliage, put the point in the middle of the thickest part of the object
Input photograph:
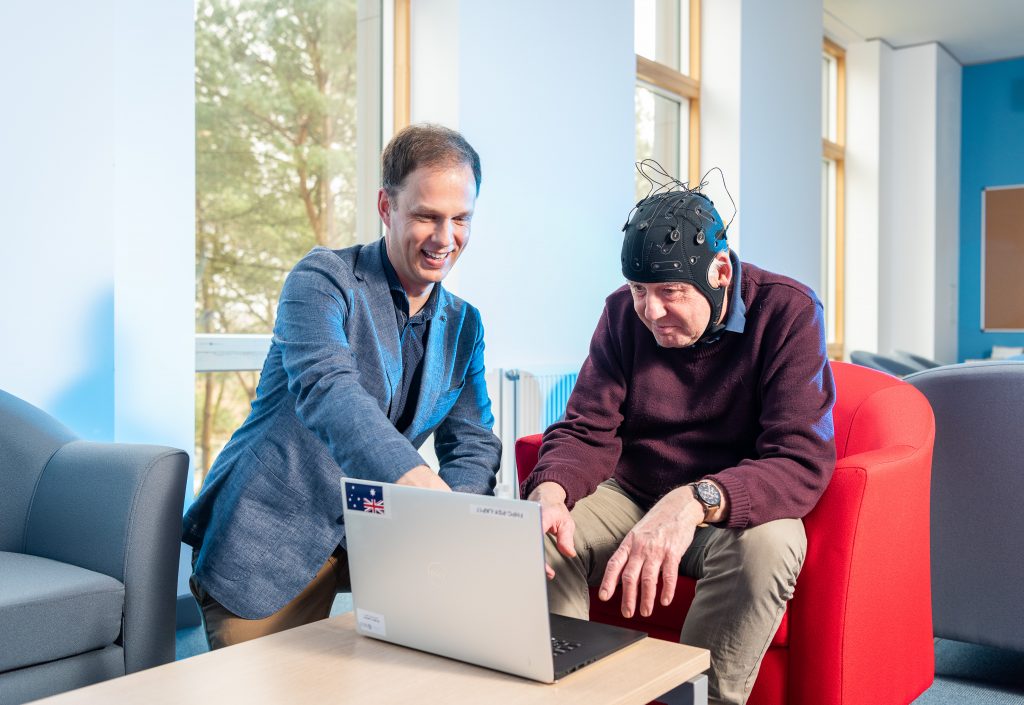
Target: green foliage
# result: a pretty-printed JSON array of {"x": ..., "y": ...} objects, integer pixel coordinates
[
  {"x": 275, "y": 97},
  {"x": 275, "y": 149}
]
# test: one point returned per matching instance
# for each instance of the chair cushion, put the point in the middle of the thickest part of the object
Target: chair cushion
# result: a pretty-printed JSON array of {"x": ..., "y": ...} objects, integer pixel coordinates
[{"x": 51, "y": 610}]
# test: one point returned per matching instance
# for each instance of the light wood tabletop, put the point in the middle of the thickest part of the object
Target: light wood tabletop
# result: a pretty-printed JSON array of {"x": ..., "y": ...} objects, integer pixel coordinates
[{"x": 327, "y": 662}]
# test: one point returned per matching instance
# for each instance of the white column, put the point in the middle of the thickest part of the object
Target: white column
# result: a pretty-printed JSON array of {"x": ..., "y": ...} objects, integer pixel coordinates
[
  {"x": 760, "y": 122},
  {"x": 919, "y": 189},
  {"x": 544, "y": 92},
  {"x": 720, "y": 106},
  {"x": 867, "y": 67}
]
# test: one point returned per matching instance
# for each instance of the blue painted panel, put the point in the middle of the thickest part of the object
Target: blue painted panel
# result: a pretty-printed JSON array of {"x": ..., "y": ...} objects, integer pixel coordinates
[{"x": 992, "y": 154}]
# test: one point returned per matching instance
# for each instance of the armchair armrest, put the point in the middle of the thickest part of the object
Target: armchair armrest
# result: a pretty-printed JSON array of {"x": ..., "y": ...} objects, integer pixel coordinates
[
  {"x": 527, "y": 450},
  {"x": 861, "y": 618},
  {"x": 116, "y": 509}
]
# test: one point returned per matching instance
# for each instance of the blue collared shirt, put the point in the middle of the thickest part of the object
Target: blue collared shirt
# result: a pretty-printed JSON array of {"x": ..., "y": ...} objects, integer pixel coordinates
[
  {"x": 412, "y": 336},
  {"x": 736, "y": 315}
]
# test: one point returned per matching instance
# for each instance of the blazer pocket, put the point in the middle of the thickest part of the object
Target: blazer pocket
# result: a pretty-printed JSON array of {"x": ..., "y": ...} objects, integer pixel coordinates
[{"x": 257, "y": 524}]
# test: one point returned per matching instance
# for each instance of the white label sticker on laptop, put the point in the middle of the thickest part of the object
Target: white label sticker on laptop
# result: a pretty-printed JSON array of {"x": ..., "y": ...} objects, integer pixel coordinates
[
  {"x": 371, "y": 622},
  {"x": 366, "y": 497},
  {"x": 496, "y": 512}
]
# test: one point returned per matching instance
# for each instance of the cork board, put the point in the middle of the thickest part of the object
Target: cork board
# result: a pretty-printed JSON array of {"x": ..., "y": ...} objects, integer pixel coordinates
[{"x": 1002, "y": 258}]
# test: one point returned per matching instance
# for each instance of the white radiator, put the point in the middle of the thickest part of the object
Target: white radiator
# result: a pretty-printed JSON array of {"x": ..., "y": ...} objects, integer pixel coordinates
[{"x": 525, "y": 402}]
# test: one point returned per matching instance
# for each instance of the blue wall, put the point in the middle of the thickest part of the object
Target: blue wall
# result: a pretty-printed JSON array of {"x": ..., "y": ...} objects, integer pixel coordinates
[{"x": 993, "y": 155}]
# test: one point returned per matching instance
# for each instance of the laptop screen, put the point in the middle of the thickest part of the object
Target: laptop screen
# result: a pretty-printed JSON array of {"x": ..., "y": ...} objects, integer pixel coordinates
[{"x": 454, "y": 574}]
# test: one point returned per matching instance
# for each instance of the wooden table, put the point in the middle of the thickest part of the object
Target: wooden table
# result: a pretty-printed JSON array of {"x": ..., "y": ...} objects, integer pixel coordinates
[{"x": 327, "y": 662}]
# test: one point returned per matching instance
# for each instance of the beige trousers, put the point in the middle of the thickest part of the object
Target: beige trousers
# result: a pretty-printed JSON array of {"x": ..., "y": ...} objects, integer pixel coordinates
[
  {"x": 224, "y": 628},
  {"x": 744, "y": 579}
]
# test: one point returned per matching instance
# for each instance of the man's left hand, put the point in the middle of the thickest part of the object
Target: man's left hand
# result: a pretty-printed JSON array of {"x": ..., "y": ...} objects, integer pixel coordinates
[{"x": 655, "y": 546}]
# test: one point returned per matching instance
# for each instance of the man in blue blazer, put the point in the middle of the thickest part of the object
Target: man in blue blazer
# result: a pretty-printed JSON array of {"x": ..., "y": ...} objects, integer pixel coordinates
[{"x": 370, "y": 355}]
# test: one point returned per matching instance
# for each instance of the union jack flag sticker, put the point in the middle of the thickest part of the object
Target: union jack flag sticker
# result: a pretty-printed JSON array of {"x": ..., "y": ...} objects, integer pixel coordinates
[{"x": 362, "y": 497}]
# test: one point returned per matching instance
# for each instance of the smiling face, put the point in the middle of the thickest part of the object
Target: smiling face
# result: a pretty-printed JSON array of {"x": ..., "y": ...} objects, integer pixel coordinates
[
  {"x": 427, "y": 224},
  {"x": 677, "y": 313}
]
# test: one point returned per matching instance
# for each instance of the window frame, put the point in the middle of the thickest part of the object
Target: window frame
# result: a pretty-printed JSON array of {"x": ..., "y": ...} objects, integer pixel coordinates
[
  {"x": 835, "y": 153},
  {"x": 681, "y": 86}
]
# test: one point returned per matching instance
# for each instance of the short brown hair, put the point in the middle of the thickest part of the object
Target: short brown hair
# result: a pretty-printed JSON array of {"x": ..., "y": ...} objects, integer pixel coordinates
[{"x": 425, "y": 145}]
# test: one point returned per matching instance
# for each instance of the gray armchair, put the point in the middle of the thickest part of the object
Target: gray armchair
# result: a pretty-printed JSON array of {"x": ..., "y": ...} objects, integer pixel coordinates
[
  {"x": 977, "y": 489},
  {"x": 89, "y": 545}
]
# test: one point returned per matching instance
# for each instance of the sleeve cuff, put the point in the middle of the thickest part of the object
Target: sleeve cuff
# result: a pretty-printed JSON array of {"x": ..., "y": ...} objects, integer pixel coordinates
[
  {"x": 737, "y": 501},
  {"x": 537, "y": 478},
  {"x": 397, "y": 467}
]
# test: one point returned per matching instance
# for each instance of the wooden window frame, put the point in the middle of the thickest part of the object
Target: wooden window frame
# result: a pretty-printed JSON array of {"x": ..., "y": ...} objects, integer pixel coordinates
[
  {"x": 836, "y": 153},
  {"x": 685, "y": 86}
]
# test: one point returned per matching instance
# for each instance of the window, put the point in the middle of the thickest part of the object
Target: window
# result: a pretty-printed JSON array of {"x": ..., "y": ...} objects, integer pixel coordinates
[
  {"x": 667, "y": 41},
  {"x": 289, "y": 114},
  {"x": 833, "y": 180}
]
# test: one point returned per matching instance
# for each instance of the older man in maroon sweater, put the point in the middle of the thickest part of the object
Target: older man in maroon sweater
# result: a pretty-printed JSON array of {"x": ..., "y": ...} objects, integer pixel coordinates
[{"x": 697, "y": 436}]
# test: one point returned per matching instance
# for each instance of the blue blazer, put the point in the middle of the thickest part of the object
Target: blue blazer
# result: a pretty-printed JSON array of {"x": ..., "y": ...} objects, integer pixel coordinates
[{"x": 270, "y": 511}]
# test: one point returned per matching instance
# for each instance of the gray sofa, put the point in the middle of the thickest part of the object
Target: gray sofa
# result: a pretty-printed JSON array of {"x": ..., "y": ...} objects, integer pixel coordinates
[
  {"x": 977, "y": 490},
  {"x": 89, "y": 546}
]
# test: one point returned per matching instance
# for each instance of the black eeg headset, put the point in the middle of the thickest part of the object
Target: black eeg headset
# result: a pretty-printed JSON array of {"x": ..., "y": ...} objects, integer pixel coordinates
[{"x": 673, "y": 236}]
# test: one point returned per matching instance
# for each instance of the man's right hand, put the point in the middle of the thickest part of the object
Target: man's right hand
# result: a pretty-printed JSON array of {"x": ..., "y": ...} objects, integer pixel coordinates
[
  {"x": 555, "y": 519},
  {"x": 423, "y": 476}
]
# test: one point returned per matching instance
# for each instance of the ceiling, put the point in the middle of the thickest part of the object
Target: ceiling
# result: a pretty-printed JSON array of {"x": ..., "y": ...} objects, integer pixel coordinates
[{"x": 973, "y": 31}]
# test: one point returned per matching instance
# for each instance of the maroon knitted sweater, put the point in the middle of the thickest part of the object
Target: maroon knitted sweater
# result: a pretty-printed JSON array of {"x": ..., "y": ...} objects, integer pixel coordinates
[{"x": 752, "y": 411}]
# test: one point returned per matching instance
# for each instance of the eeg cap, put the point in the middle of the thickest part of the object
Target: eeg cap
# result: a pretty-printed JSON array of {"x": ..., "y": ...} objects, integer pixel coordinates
[{"x": 674, "y": 236}]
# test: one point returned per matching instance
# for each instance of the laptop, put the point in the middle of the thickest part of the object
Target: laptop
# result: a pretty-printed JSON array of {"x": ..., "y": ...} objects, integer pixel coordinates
[{"x": 462, "y": 576}]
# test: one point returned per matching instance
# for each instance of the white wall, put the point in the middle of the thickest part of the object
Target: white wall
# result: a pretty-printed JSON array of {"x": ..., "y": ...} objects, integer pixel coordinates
[
  {"x": 97, "y": 190},
  {"x": 57, "y": 139},
  {"x": 549, "y": 106},
  {"x": 544, "y": 92},
  {"x": 760, "y": 122}
]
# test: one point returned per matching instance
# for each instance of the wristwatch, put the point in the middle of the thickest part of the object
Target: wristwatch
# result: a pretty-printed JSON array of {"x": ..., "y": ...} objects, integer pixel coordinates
[{"x": 707, "y": 493}]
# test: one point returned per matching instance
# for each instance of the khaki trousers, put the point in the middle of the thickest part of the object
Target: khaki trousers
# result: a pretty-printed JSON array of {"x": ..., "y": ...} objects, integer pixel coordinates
[
  {"x": 224, "y": 628},
  {"x": 745, "y": 577}
]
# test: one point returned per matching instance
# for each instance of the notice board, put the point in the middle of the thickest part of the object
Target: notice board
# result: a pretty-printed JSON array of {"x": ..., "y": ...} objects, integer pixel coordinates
[{"x": 1002, "y": 258}]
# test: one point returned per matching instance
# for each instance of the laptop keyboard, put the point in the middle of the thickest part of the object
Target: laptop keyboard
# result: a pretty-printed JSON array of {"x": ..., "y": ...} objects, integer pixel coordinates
[{"x": 561, "y": 646}]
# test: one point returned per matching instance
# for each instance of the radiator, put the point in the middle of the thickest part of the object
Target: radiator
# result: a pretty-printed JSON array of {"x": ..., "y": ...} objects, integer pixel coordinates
[{"x": 525, "y": 402}]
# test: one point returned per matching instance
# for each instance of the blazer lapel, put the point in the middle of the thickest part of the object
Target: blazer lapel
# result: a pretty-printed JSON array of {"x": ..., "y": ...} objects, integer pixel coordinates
[{"x": 370, "y": 270}]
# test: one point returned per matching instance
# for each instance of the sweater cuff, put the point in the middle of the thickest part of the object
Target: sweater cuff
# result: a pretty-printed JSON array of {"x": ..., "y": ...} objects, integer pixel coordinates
[
  {"x": 738, "y": 501},
  {"x": 537, "y": 478}
]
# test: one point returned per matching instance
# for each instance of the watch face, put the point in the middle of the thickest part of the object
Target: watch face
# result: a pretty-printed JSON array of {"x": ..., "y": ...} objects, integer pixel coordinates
[{"x": 709, "y": 494}]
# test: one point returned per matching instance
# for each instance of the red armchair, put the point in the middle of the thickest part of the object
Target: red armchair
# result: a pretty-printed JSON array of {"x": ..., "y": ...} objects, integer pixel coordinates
[{"x": 858, "y": 631}]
